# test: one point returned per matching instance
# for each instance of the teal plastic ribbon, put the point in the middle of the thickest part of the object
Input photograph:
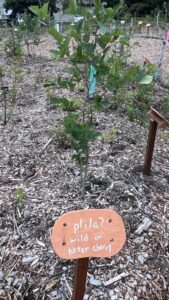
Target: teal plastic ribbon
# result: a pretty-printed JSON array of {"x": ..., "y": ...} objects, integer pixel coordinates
[{"x": 92, "y": 85}]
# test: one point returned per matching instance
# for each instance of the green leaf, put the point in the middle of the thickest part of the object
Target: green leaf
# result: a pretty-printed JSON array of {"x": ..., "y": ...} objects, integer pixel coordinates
[
  {"x": 56, "y": 53},
  {"x": 81, "y": 135},
  {"x": 130, "y": 112},
  {"x": 86, "y": 37},
  {"x": 56, "y": 34},
  {"x": 50, "y": 84},
  {"x": 89, "y": 47},
  {"x": 40, "y": 12},
  {"x": 98, "y": 6},
  {"x": 99, "y": 103},
  {"x": 111, "y": 13},
  {"x": 44, "y": 10},
  {"x": 104, "y": 28},
  {"x": 65, "y": 83},
  {"x": 131, "y": 73},
  {"x": 79, "y": 132},
  {"x": 66, "y": 104},
  {"x": 34, "y": 9},
  {"x": 72, "y": 7},
  {"x": 148, "y": 79},
  {"x": 79, "y": 26},
  {"x": 69, "y": 121},
  {"x": 105, "y": 39},
  {"x": 106, "y": 58},
  {"x": 140, "y": 75},
  {"x": 116, "y": 33},
  {"x": 64, "y": 47},
  {"x": 56, "y": 100},
  {"x": 124, "y": 40}
]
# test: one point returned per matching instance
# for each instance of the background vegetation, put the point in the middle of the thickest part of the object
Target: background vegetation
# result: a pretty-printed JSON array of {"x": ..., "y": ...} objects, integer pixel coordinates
[
  {"x": 20, "y": 6},
  {"x": 145, "y": 6},
  {"x": 133, "y": 6}
]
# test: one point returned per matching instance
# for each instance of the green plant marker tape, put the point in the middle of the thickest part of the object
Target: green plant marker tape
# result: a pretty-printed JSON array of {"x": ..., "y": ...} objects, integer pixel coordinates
[{"x": 92, "y": 86}]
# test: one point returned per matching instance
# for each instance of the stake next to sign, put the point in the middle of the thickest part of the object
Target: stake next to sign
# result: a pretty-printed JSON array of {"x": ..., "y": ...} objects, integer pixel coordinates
[{"x": 88, "y": 233}]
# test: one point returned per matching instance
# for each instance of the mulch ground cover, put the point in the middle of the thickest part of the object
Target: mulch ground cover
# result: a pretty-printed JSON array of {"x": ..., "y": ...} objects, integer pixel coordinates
[{"x": 33, "y": 159}]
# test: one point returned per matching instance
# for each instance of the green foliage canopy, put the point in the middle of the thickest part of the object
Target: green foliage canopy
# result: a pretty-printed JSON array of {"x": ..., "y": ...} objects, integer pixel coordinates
[{"x": 20, "y": 6}]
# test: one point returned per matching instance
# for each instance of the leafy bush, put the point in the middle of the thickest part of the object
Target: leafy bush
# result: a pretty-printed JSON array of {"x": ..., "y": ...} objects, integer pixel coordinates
[
  {"x": 66, "y": 104},
  {"x": 30, "y": 29},
  {"x": 97, "y": 52},
  {"x": 13, "y": 43},
  {"x": 81, "y": 135},
  {"x": 91, "y": 42}
]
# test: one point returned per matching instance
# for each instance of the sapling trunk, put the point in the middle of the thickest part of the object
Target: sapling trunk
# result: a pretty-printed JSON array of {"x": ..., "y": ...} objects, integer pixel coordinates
[
  {"x": 3, "y": 89},
  {"x": 84, "y": 176},
  {"x": 83, "y": 112},
  {"x": 5, "y": 109},
  {"x": 90, "y": 112},
  {"x": 28, "y": 48},
  {"x": 5, "y": 104},
  {"x": 14, "y": 87}
]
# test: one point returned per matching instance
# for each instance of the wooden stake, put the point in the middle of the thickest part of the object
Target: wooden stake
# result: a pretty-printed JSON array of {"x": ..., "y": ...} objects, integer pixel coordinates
[
  {"x": 148, "y": 28},
  {"x": 150, "y": 147},
  {"x": 80, "y": 278},
  {"x": 140, "y": 26},
  {"x": 155, "y": 119}
]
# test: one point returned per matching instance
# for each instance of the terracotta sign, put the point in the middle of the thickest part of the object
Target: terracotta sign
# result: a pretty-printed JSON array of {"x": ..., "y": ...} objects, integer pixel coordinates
[{"x": 88, "y": 233}]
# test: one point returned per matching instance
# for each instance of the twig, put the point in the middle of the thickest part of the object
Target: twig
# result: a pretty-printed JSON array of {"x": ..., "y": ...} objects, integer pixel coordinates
[
  {"x": 15, "y": 224},
  {"x": 116, "y": 278},
  {"x": 10, "y": 270},
  {"x": 68, "y": 286},
  {"x": 46, "y": 145}
]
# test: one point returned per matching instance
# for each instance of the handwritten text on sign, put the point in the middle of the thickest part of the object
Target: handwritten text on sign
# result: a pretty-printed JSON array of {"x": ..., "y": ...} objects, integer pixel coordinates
[{"x": 88, "y": 233}]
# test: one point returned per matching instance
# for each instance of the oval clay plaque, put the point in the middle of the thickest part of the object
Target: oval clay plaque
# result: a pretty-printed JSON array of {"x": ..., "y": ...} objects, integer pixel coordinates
[{"x": 88, "y": 233}]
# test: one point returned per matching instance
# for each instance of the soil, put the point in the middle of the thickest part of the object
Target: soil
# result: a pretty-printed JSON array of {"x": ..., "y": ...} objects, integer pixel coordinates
[{"x": 38, "y": 164}]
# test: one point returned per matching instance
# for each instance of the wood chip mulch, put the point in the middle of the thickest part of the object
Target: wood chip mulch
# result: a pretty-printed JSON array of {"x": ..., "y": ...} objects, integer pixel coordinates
[{"x": 32, "y": 159}]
